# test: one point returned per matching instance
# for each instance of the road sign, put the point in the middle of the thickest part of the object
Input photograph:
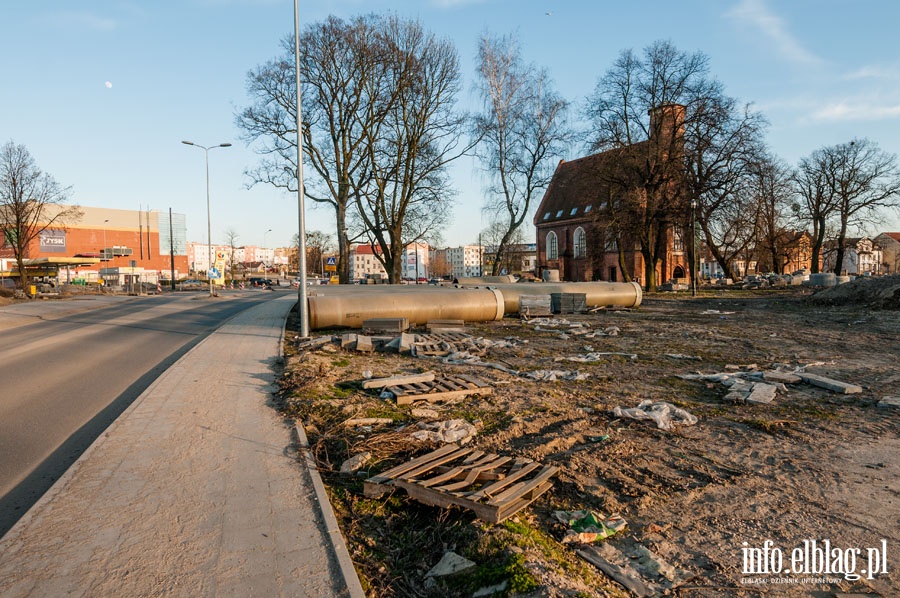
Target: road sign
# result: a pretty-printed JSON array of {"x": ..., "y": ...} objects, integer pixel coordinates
[
  {"x": 331, "y": 261},
  {"x": 214, "y": 273},
  {"x": 330, "y": 268}
]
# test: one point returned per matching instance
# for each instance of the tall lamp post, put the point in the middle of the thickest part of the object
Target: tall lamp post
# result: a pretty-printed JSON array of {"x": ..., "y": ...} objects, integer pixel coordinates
[
  {"x": 208, "y": 216},
  {"x": 694, "y": 260},
  {"x": 301, "y": 256},
  {"x": 104, "y": 248},
  {"x": 265, "y": 266}
]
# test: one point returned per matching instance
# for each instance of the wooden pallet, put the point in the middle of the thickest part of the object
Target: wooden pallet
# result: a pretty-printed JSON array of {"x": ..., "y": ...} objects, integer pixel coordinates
[
  {"x": 494, "y": 487},
  {"x": 440, "y": 345},
  {"x": 439, "y": 389}
]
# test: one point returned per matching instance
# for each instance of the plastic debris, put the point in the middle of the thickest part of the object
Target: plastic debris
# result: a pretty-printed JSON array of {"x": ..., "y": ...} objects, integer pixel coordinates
[
  {"x": 666, "y": 415},
  {"x": 553, "y": 375},
  {"x": 586, "y": 526}
]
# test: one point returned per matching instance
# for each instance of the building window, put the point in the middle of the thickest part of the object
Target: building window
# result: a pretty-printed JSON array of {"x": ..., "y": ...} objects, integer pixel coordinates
[
  {"x": 678, "y": 242},
  {"x": 552, "y": 248},
  {"x": 559, "y": 214},
  {"x": 588, "y": 208},
  {"x": 580, "y": 241},
  {"x": 574, "y": 211},
  {"x": 547, "y": 215}
]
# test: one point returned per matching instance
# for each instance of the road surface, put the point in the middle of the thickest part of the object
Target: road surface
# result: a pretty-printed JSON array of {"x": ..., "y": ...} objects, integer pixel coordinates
[{"x": 67, "y": 374}]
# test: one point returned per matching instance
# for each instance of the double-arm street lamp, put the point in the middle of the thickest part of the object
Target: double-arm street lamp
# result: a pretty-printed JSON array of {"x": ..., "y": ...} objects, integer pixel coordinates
[{"x": 208, "y": 217}]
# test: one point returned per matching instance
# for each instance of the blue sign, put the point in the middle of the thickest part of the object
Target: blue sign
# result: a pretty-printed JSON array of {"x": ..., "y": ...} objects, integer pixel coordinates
[
  {"x": 332, "y": 261},
  {"x": 214, "y": 273}
]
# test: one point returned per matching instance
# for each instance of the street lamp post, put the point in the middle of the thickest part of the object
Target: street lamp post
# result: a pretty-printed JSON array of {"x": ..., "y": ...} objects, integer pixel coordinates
[
  {"x": 302, "y": 306},
  {"x": 208, "y": 215},
  {"x": 104, "y": 255},
  {"x": 265, "y": 251},
  {"x": 694, "y": 260}
]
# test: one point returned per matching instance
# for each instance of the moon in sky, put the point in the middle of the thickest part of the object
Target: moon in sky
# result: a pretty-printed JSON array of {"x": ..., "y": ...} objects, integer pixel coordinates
[{"x": 108, "y": 84}]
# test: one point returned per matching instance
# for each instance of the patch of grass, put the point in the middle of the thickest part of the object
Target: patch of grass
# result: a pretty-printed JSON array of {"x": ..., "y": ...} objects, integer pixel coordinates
[{"x": 341, "y": 362}]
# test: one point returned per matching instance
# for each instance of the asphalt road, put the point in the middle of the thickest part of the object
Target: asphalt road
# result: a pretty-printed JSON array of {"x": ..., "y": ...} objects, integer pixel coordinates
[{"x": 66, "y": 374}]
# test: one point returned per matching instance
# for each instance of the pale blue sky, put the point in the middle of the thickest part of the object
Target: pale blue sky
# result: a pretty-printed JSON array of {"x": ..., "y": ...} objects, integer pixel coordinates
[{"x": 823, "y": 71}]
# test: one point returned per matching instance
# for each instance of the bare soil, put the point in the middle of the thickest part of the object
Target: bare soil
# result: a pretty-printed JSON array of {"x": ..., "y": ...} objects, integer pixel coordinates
[{"x": 811, "y": 465}]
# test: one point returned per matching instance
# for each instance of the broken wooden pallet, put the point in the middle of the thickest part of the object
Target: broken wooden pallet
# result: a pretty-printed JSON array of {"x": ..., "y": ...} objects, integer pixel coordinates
[
  {"x": 494, "y": 487},
  {"x": 439, "y": 389},
  {"x": 440, "y": 345}
]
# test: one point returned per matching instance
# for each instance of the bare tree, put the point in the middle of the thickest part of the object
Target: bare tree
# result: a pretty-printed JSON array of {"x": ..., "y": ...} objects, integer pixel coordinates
[
  {"x": 723, "y": 152},
  {"x": 771, "y": 182},
  {"x": 845, "y": 184},
  {"x": 31, "y": 201},
  {"x": 339, "y": 63},
  {"x": 417, "y": 133},
  {"x": 318, "y": 245},
  {"x": 522, "y": 130},
  {"x": 231, "y": 237},
  {"x": 509, "y": 260},
  {"x": 638, "y": 109},
  {"x": 818, "y": 200}
]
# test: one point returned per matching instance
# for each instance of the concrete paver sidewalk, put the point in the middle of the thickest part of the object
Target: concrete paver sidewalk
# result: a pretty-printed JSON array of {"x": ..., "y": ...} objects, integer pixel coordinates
[{"x": 193, "y": 491}]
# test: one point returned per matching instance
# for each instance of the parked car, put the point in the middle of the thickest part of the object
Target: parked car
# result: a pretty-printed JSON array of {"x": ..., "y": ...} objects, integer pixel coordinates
[{"x": 263, "y": 282}]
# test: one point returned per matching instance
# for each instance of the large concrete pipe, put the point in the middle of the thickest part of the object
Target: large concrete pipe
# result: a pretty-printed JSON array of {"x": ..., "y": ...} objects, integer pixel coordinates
[
  {"x": 482, "y": 280},
  {"x": 345, "y": 309},
  {"x": 621, "y": 294}
]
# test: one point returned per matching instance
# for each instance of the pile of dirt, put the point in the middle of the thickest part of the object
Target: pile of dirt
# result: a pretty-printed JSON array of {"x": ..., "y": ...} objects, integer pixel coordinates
[{"x": 876, "y": 292}]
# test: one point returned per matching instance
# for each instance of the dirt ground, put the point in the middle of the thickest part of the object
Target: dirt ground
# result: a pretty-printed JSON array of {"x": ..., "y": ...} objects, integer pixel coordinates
[{"x": 813, "y": 465}]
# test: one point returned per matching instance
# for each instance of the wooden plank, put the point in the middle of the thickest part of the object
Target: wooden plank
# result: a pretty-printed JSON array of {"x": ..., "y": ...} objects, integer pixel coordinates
[
  {"x": 487, "y": 491},
  {"x": 397, "y": 380},
  {"x": 518, "y": 491},
  {"x": 408, "y": 475},
  {"x": 473, "y": 380},
  {"x": 433, "y": 397},
  {"x": 442, "y": 477},
  {"x": 510, "y": 508},
  {"x": 473, "y": 474},
  {"x": 403, "y": 467}
]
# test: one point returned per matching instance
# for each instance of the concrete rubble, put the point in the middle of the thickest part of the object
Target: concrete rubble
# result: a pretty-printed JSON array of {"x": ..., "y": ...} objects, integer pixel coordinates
[
  {"x": 760, "y": 386},
  {"x": 453, "y": 430}
]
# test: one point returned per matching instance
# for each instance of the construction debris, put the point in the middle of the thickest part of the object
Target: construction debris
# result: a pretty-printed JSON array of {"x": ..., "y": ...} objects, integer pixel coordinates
[
  {"x": 443, "y": 326},
  {"x": 666, "y": 415},
  {"x": 637, "y": 568},
  {"x": 438, "y": 389},
  {"x": 594, "y": 356},
  {"x": 889, "y": 401},
  {"x": 451, "y": 564},
  {"x": 401, "y": 379},
  {"x": 494, "y": 487},
  {"x": 744, "y": 387},
  {"x": 830, "y": 384},
  {"x": 534, "y": 305},
  {"x": 568, "y": 303},
  {"x": 454, "y": 430},
  {"x": 386, "y": 325},
  {"x": 553, "y": 375},
  {"x": 356, "y": 462}
]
